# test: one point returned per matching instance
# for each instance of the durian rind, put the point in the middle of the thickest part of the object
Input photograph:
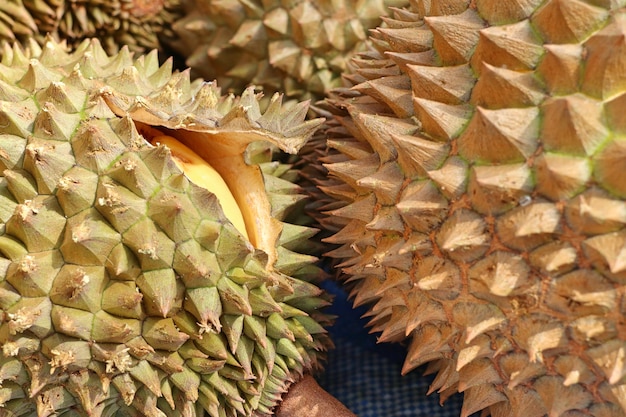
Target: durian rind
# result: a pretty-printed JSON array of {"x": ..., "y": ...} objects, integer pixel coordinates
[{"x": 478, "y": 195}]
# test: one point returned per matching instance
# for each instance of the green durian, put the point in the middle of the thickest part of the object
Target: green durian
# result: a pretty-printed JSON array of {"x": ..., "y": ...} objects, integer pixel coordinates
[{"x": 125, "y": 290}]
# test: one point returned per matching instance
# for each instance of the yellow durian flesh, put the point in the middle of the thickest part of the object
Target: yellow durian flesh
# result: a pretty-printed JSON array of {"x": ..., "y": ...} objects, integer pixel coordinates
[{"x": 203, "y": 174}]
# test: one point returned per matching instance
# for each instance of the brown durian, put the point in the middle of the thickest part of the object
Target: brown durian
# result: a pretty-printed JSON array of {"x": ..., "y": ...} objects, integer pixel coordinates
[
  {"x": 480, "y": 193},
  {"x": 140, "y": 25}
]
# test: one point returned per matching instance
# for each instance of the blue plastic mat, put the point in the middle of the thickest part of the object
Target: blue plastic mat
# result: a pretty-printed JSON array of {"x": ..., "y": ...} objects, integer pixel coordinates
[{"x": 365, "y": 375}]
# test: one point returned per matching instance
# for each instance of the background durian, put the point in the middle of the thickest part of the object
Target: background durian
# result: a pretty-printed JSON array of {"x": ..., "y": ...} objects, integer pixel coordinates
[
  {"x": 299, "y": 48},
  {"x": 124, "y": 288},
  {"x": 140, "y": 25},
  {"x": 479, "y": 182}
]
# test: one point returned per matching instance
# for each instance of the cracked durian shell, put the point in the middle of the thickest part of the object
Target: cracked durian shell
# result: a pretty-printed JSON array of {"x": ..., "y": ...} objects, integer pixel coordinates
[
  {"x": 139, "y": 24},
  {"x": 299, "y": 48},
  {"x": 124, "y": 290},
  {"x": 481, "y": 176}
]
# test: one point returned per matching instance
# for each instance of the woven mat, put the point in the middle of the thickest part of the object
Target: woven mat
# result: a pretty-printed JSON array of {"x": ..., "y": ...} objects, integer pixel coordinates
[{"x": 365, "y": 375}]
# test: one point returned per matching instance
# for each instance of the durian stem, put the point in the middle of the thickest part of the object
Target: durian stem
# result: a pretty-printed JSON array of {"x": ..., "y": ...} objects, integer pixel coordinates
[{"x": 306, "y": 398}]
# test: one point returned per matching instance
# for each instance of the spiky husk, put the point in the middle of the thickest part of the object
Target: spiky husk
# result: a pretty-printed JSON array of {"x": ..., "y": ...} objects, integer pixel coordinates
[
  {"x": 124, "y": 290},
  {"x": 140, "y": 25},
  {"x": 298, "y": 48},
  {"x": 483, "y": 184}
]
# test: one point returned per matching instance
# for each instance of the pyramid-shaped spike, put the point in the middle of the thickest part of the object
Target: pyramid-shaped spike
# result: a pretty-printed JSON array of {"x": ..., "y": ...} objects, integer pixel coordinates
[
  {"x": 562, "y": 21},
  {"x": 479, "y": 372},
  {"x": 573, "y": 124},
  {"x": 439, "y": 120},
  {"x": 380, "y": 130},
  {"x": 589, "y": 288},
  {"x": 451, "y": 178},
  {"x": 610, "y": 163},
  {"x": 427, "y": 58},
  {"x": 513, "y": 46},
  {"x": 394, "y": 278},
  {"x": 395, "y": 91},
  {"x": 463, "y": 236},
  {"x": 353, "y": 232},
  {"x": 353, "y": 170},
  {"x": 160, "y": 291},
  {"x": 130, "y": 82},
  {"x": 348, "y": 148},
  {"x": 385, "y": 183},
  {"x": 47, "y": 161},
  {"x": 405, "y": 39},
  {"x": 426, "y": 346},
  {"x": 17, "y": 118},
  {"x": 22, "y": 186},
  {"x": 439, "y": 277},
  {"x": 596, "y": 212},
  {"x": 477, "y": 318},
  {"x": 362, "y": 209},
  {"x": 529, "y": 224},
  {"x": 422, "y": 206},
  {"x": 559, "y": 398},
  {"x": 615, "y": 113},
  {"x": 446, "y": 380},
  {"x": 480, "y": 347},
  {"x": 537, "y": 333},
  {"x": 506, "y": 11},
  {"x": 561, "y": 176},
  {"x": 554, "y": 258},
  {"x": 251, "y": 36},
  {"x": 573, "y": 370},
  {"x": 606, "y": 55},
  {"x": 76, "y": 190},
  {"x": 38, "y": 76},
  {"x": 560, "y": 68},
  {"x": 386, "y": 219},
  {"x": 610, "y": 358},
  {"x": 54, "y": 124},
  {"x": 95, "y": 145},
  {"x": 79, "y": 287},
  {"x": 36, "y": 223},
  {"x": 502, "y": 88},
  {"x": 33, "y": 275},
  {"x": 500, "y": 273},
  {"x": 455, "y": 36},
  {"x": 608, "y": 249},
  {"x": 480, "y": 397},
  {"x": 495, "y": 189},
  {"x": 66, "y": 98},
  {"x": 500, "y": 135},
  {"x": 419, "y": 154},
  {"x": 449, "y": 85}
]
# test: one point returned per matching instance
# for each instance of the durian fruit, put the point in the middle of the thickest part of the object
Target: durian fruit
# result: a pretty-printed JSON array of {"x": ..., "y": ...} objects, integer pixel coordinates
[
  {"x": 144, "y": 268},
  {"x": 139, "y": 24},
  {"x": 15, "y": 21},
  {"x": 481, "y": 184},
  {"x": 299, "y": 48}
]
